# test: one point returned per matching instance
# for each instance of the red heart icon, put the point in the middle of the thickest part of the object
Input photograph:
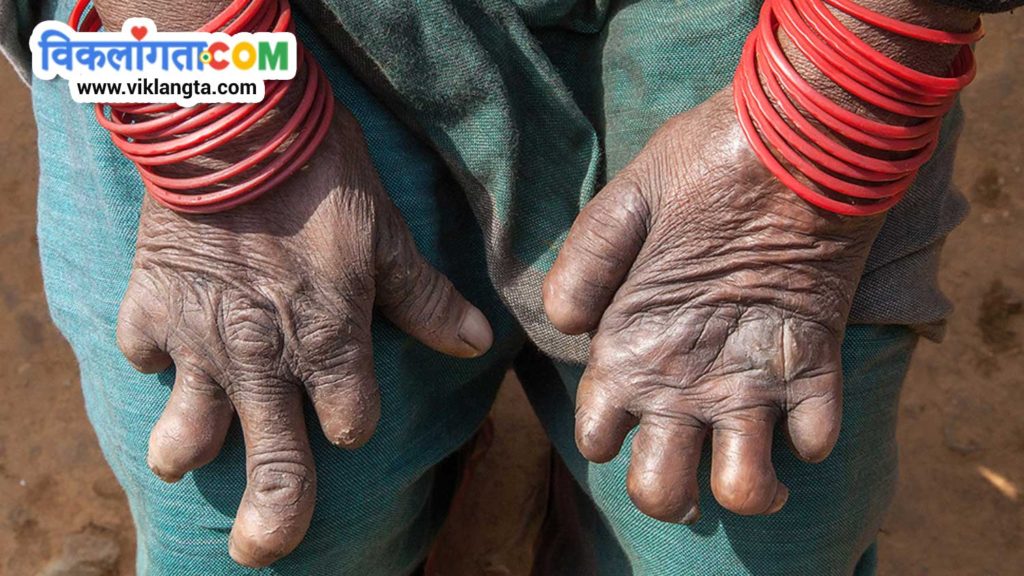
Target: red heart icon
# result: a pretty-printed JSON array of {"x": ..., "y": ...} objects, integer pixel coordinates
[{"x": 139, "y": 32}]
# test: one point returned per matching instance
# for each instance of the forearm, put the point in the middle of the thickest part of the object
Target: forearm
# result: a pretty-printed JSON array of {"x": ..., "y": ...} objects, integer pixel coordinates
[
  {"x": 984, "y": 5},
  {"x": 923, "y": 56},
  {"x": 168, "y": 16}
]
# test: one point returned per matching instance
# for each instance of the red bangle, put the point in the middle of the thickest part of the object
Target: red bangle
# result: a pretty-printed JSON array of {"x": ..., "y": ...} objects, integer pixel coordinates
[
  {"x": 777, "y": 95},
  {"x": 767, "y": 119},
  {"x": 788, "y": 179},
  {"x": 881, "y": 191},
  {"x": 844, "y": 180},
  {"x": 271, "y": 176},
  {"x": 822, "y": 148},
  {"x": 154, "y": 135},
  {"x": 796, "y": 83},
  {"x": 214, "y": 178},
  {"x": 841, "y": 54},
  {"x": 176, "y": 150}
]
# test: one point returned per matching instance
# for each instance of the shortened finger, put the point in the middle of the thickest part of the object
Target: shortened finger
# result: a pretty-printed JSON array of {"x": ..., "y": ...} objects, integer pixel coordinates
[
  {"x": 341, "y": 384},
  {"x": 814, "y": 393},
  {"x": 662, "y": 479},
  {"x": 742, "y": 476},
  {"x": 597, "y": 254},
  {"x": 813, "y": 420},
  {"x": 602, "y": 423},
  {"x": 140, "y": 331},
  {"x": 280, "y": 492},
  {"x": 192, "y": 428}
]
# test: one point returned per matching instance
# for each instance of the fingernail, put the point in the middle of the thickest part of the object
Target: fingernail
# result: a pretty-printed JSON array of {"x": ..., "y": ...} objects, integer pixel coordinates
[
  {"x": 475, "y": 331},
  {"x": 692, "y": 516},
  {"x": 781, "y": 496}
]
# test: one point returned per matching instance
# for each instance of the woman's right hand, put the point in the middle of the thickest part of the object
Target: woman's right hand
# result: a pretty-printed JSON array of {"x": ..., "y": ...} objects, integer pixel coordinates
[{"x": 259, "y": 304}]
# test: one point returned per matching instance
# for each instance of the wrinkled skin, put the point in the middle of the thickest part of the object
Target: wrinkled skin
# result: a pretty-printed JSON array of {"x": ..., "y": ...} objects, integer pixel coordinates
[
  {"x": 719, "y": 300},
  {"x": 269, "y": 301}
]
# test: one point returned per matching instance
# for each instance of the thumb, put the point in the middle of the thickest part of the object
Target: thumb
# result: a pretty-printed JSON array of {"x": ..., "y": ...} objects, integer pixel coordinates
[
  {"x": 596, "y": 256},
  {"x": 423, "y": 302}
]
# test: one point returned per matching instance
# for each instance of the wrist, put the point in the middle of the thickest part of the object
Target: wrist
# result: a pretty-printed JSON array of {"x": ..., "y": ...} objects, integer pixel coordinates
[
  {"x": 249, "y": 141},
  {"x": 843, "y": 122},
  {"x": 168, "y": 16},
  {"x": 215, "y": 157},
  {"x": 925, "y": 57},
  {"x": 190, "y": 16},
  {"x": 763, "y": 193}
]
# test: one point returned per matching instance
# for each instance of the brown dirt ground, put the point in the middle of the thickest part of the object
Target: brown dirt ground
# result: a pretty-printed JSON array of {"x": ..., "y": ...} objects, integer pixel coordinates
[{"x": 959, "y": 510}]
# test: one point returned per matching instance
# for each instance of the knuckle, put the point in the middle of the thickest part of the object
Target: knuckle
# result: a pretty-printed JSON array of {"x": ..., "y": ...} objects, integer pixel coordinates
[
  {"x": 616, "y": 219},
  {"x": 193, "y": 378},
  {"x": 282, "y": 481},
  {"x": 321, "y": 342},
  {"x": 350, "y": 378},
  {"x": 252, "y": 336},
  {"x": 629, "y": 205},
  {"x": 432, "y": 296},
  {"x": 335, "y": 347},
  {"x": 600, "y": 246},
  {"x": 261, "y": 395},
  {"x": 346, "y": 377}
]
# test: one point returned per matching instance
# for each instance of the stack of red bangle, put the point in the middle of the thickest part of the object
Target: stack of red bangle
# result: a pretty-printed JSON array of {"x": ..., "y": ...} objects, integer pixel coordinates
[
  {"x": 154, "y": 135},
  {"x": 776, "y": 105}
]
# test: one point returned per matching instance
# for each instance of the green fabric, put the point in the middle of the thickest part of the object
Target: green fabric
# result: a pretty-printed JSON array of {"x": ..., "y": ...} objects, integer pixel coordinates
[{"x": 469, "y": 76}]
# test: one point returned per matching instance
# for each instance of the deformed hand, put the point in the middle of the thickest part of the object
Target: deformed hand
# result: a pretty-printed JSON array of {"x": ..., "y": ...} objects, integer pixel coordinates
[
  {"x": 258, "y": 304},
  {"x": 719, "y": 298}
]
